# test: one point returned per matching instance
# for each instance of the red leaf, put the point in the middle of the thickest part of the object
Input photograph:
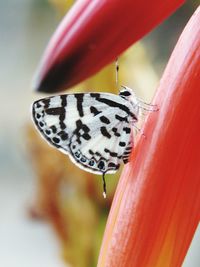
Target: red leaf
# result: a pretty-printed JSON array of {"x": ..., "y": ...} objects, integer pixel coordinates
[{"x": 93, "y": 34}]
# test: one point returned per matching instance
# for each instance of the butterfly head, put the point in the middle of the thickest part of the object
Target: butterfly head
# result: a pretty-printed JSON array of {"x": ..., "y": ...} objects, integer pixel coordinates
[{"x": 128, "y": 94}]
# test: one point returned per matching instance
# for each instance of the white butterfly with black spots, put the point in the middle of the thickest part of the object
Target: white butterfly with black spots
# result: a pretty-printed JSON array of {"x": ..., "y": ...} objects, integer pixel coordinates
[{"x": 94, "y": 129}]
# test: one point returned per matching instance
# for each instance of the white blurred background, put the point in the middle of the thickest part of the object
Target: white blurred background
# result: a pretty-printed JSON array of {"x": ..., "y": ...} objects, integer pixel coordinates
[{"x": 25, "y": 28}]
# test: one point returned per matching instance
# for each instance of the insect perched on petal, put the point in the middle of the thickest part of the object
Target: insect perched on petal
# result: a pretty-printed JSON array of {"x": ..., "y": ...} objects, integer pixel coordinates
[{"x": 94, "y": 129}]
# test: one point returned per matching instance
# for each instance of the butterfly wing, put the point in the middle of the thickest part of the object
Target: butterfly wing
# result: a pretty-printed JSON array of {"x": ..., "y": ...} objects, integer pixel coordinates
[{"x": 93, "y": 129}]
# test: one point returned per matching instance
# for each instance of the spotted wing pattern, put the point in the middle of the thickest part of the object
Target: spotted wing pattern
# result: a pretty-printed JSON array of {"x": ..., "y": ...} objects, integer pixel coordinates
[{"x": 93, "y": 129}]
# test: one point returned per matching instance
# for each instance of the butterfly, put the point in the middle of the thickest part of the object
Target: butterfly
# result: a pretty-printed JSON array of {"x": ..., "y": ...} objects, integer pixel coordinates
[{"x": 93, "y": 129}]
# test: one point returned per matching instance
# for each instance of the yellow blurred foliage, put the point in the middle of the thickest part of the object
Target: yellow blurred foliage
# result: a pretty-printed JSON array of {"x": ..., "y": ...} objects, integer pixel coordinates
[
  {"x": 61, "y": 5},
  {"x": 71, "y": 199}
]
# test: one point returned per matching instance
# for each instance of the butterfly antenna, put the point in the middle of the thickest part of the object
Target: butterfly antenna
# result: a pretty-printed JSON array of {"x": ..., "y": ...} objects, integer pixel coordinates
[
  {"x": 104, "y": 185},
  {"x": 117, "y": 73}
]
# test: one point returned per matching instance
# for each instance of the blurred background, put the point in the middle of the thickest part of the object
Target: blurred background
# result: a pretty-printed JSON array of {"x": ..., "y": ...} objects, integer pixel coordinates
[{"x": 42, "y": 195}]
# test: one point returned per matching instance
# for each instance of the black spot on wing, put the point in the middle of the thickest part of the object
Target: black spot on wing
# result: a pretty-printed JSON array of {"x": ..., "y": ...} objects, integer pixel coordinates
[
  {"x": 78, "y": 125},
  {"x": 95, "y": 95},
  {"x": 91, "y": 162},
  {"x": 48, "y": 132},
  {"x": 91, "y": 152},
  {"x": 64, "y": 136},
  {"x": 101, "y": 165},
  {"x": 112, "y": 154},
  {"x": 79, "y": 104},
  {"x": 56, "y": 140},
  {"x": 125, "y": 161},
  {"x": 46, "y": 102},
  {"x": 77, "y": 154},
  {"x": 58, "y": 111},
  {"x": 83, "y": 159},
  {"x": 126, "y": 153},
  {"x": 104, "y": 120},
  {"x": 63, "y": 113},
  {"x": 54, "y": 129},
  {"x": 85, "y": 128},
  {"x": 38, "y": 105},
  {"x": 105, "y": 132},
  {"x": 114, "y": 129},
  {"x": 127, "y": 130},
  {"x": 86, "y": 136},
  {"x": 94, "y": 111},
  {"x": 81, "y": 130},
  {"x": 122, "y": 144},
  {"x": 121, "y": 118}
]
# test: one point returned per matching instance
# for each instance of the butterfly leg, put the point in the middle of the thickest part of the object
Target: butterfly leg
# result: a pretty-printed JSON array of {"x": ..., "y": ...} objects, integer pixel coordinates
[
  {"x": 104, "y": 185},
  {"x": 139, "y": 130},
  {"x": 146, "y": 106}
]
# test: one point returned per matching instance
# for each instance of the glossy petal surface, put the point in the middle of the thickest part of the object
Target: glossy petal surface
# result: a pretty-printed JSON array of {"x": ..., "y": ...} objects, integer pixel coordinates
[
  {"x": 93, "y": 34},
  {"x": 156, "y": 208}
]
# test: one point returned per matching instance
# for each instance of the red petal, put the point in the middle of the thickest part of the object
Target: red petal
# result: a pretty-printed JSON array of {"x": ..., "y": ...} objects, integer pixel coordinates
[
  {"x": 93, "y": 34},
  {"x": 156, "y": 208}
]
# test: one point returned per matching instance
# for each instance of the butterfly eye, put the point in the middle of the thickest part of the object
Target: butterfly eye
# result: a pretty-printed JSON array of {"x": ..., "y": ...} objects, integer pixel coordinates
[{"x": 101, "y": 165}]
